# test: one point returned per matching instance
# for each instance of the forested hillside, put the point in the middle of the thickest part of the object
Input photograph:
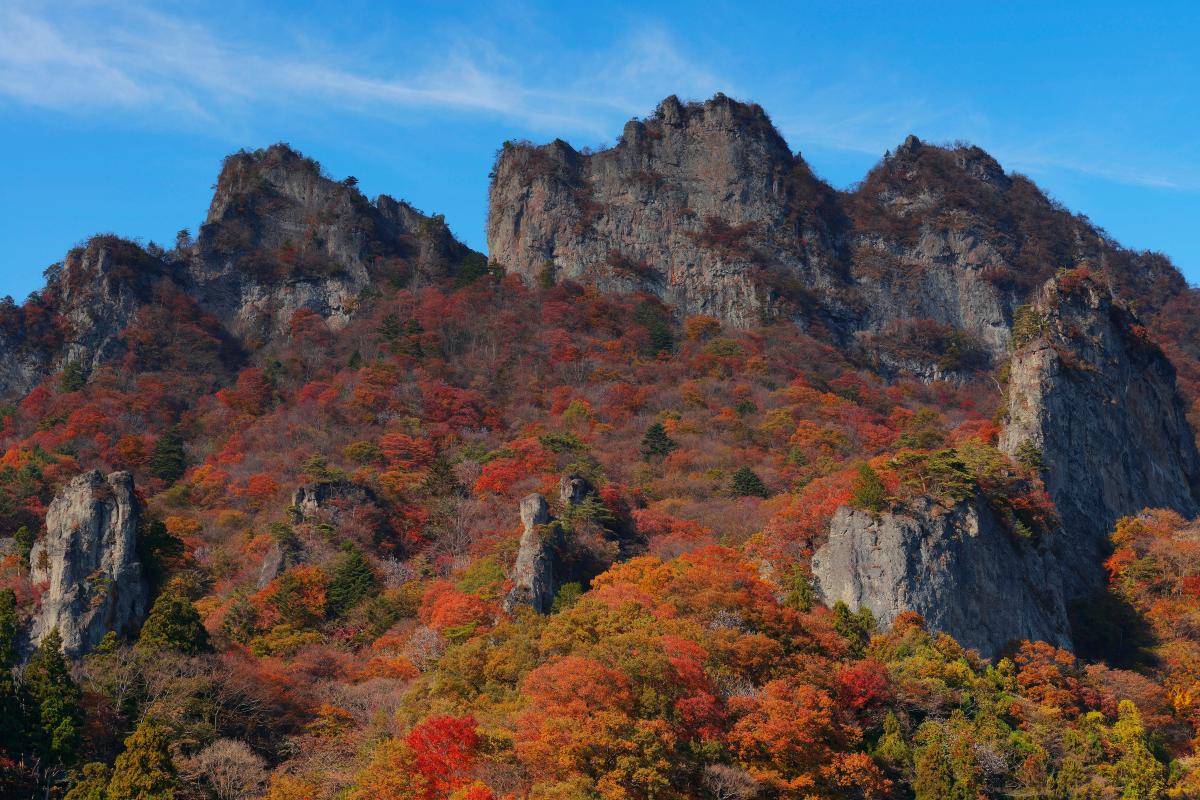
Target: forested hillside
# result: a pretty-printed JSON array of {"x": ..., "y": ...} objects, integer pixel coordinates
[{"x": 713, "y": 481}]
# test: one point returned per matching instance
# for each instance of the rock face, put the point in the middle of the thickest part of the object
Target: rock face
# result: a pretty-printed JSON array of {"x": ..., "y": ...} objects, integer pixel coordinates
[
  {"x": 88, "y": 559},
  {"x": 1097, "y": 400},
  {"x": 311, "y": 499},
  {"x": 703, "y": 205},
  {"x": 533, "y": 575},
  {"x": 958, "y": 568},
  {"x": 573, "y": 548},
  {"x": 280, "y": 236}
]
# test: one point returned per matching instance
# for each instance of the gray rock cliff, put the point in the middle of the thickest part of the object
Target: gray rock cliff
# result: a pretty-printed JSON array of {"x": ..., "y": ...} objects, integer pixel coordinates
[
  {"x": 1097, "y": 400},
  {"x": 281, "y": 236},
  {"x": 88, "y": 562},
  {"x": 533, "y": 574},
  {"x": 958, "y": 568}
]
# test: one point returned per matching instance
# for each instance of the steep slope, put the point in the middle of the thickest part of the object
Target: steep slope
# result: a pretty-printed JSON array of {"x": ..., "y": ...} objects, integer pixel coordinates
[
  {"x": 280, "y": 236},
  {"x": 1093, "y": 399},
  {"x": 922, "y": 264}
]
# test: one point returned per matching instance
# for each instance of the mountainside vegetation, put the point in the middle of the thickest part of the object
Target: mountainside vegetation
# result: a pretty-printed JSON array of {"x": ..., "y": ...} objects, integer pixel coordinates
[{"x": 332, "y": 410}]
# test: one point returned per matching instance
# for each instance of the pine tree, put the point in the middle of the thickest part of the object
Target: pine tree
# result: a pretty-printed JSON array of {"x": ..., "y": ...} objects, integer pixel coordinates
[
  {"x": 746, "y": 483},
  {"x": 23, "y": 539},
  {"x": 656, "y": 442},
  {"x": 241, "y": 620},
  {"x": 855, "y": 627},
  {"x": 55, "y": 699},
  {"x": 168, "y": 460},
  {"x": 72, "y": 378},
  {"x": 352, "y": 580},
  {"x": 868, "y": 492},
  {"x": 173, "y": 624},
  {"x": 144, "y": 771}
]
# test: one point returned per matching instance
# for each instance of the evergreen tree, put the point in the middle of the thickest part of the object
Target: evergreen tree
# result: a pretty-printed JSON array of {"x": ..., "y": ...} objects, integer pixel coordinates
[
  {"x": 54, "y": 697},
  {"x": 159, "y": 550},
  {"x": 92, "y": 783},
  {"x": 173, "y": 624},
  {"x": 892, "y": 748},
  {"x": 855, "y": 627},
  {"x": 8, "y": 630},
  {"x": 72, "y": 378},
  {"x": 746, "y": 483},
  {"x": 799, "y": 592},
  {"x": 168, "y": 460},
  {"x": 655, "y": 319},
  {"x": 352, "y": 580},
  {"x": 23, "y": 539},
  {"x": 868, "y": 492},
  {"x": 656, "y": 442},
  {"x": 12, "y": 740},
  {"x": 144, "y": 771},
  {"x": 933, "y": 774},
  {"x": 241, "y": 621}
]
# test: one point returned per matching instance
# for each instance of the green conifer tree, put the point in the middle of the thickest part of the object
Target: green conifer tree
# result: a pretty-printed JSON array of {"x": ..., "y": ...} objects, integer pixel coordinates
[
  {"x": 656, "y": 442},
  {"x": 55, "y": 698},
  {"x": 144, "y": 771},
  {"x": 868, "y": 492},
  {"x": 352, "y": 580},
  {"x": 173, "y": 624},
  {"x": 91, "y": 784},
  {"x": 168, "y": 460},
  {"x": 746, "y": 483}
]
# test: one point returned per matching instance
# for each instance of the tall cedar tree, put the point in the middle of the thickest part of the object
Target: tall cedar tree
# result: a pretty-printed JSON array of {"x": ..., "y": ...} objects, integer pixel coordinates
[
  {"x": 174, "y": 624},
  {"x": 55, "y": 700},
  {"x": 352, "y": 580},
  {"x": 144, "y": 771},
  {"x": 168, "y": 460},
  {"x": 746, "y": 483},
  {"x": 656, "y": 442},
  {"x": 868, "y": 492}
]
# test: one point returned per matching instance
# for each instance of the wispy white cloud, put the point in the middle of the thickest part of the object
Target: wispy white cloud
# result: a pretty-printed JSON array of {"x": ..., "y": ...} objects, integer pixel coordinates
[
  {"x": 132, "y": 58},
  {"x": 97, "y": 57}
]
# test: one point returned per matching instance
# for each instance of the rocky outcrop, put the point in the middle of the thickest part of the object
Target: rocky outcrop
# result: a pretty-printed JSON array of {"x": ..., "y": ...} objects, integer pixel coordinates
[
  {"x": 88, "y": 562},
  {"x": 281, "y": 236},
  {"x": 533, "y": 574},
  {"x": 705, "y": 206},
  {"x": 279, "y": 559},
  {"x": 578, "y": 545},
  {"x": 701, "y": 204},
  {"x": 313, "y": 501},
  {"x": 958, "y": 568},
  {"x": 1096, "y": 402}
]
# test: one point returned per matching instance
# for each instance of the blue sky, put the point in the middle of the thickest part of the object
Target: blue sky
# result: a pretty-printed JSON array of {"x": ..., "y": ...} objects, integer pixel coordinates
[{"x": 115, "y": 116}]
